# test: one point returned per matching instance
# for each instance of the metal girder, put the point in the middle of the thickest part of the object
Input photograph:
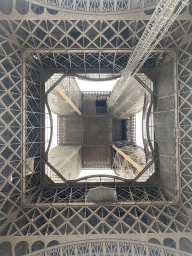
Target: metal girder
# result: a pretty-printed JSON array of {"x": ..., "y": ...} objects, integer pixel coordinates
[
  {"x": 96, "y": 79},
  {"x": 185, "y": 122},
  {"x": 143, "y": 84},
  {"x": 55, "y": 171},
  {"x": 142, "y": 218},
  {"x": 67, "y": 100},
  {"x": 142, "y": 172},
  {"x": 54, "y": 85}
]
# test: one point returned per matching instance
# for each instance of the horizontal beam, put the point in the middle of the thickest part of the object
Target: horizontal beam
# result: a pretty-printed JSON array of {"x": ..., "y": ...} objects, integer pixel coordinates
[
  {"x": 96, "y": 79},
  {"x": 138, "y": 167},
  {"x": 89, "y": 50},
  {"x": 67, "y": 100},
  {"x": 125, "y": 203},
  {"x": 119, "y": 184}
]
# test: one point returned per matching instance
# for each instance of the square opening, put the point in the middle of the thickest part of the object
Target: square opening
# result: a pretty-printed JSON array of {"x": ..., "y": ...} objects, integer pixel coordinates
[{"x": 101, "y": 107}]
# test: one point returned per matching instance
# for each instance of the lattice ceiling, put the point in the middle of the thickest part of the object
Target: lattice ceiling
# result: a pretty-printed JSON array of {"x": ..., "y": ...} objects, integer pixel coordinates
[
  {"x": 86, "y": 34},
  {"x": 98, "y": 220}
]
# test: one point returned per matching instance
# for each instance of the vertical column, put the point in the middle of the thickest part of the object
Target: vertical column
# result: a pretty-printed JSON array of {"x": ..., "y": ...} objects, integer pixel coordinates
[
  {"x": 74, "y": 4},
  {"x": 23, "y": 127},
  {"x": 147, "y": 250},
  {"x": 101, "y": 6},
  {"x": 104, "y": 248},
  {"x": 76, "y": 250},
  {"x": 14, "y": 4},
  {"x": 60, "y": 3},
  {"x": 142, "y": 3},
  {"x": 30, "y": 245},
  {"x": 13, "y": 249},
  {"x": 115, "y": 7},
  {"x": 88, "y": 6},
  {"x": 177, "y": 242},
  {"x": 118, "y": 249},
  {"x": 176, "y": 96},
  {"x": 90, "y": 249}
]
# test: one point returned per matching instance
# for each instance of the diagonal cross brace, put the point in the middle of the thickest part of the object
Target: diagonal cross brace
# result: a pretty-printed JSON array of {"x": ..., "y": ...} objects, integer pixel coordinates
[
  {"x": 143, "y": 84},
  {"x": 67, "y": 100},
  {"x": 138, "y": 167},
  {"x": 141, "y": 173},
  {"x": 54, "y": 85},
  {"x": 55, "y": 171}
]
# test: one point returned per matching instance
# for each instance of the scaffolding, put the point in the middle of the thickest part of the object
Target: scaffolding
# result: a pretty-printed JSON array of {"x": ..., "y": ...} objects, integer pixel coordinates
[
  {"x": 164, "y": 15},
  {"x": 131, "y": 129},
  {"x": 128, "y": 161},
  {"x": 65, "y": 98}
]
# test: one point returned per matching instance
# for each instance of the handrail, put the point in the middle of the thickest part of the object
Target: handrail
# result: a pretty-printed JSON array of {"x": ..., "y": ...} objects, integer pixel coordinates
[
  {"x": 145, "y": 127},
  {"x": 97, "y": 79},
  {"x": 97, "y": 176},
  {"x": 147, "y": 124},
  {"x": 51, "y": 123},
  {"x": 108, "y": 246},
  {"x": 143, "y": 115}
]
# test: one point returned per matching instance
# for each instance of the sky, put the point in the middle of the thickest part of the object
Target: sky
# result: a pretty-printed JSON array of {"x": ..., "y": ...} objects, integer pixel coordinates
[
  {"x": 92, "y": 86},
  {"x": 139, "y": 138}
]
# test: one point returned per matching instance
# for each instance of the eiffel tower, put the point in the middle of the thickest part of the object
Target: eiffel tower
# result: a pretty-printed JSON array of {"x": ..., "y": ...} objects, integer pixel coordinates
[{"x": 87, "y": 169}]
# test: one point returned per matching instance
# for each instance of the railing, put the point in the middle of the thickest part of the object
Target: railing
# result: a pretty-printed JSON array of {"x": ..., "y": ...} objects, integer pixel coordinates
[
  {"x": 148, "y": 149},
  {"x": 77, "y": 195},
  {"x": 97, "y": 6},
  {"x": 108, "y": 247}
]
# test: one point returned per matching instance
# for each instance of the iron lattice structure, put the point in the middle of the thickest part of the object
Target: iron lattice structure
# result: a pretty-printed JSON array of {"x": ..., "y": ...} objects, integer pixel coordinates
[{"x": 34, "y": 212}]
